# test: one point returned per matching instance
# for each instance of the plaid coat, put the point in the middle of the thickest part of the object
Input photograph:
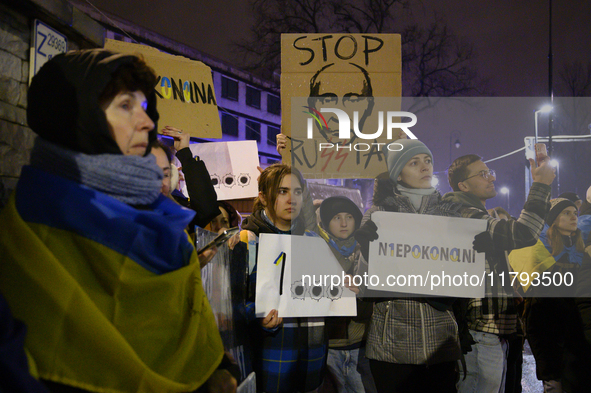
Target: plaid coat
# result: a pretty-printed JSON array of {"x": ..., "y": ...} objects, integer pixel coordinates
[
  {"x": 496, "y": 312},
  {"x": 292, "y": 357},
  {"x": 410, "y": 330}
]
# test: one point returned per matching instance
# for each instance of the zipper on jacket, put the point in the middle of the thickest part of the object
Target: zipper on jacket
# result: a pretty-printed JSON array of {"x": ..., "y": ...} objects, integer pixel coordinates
[
  {"x": 455, "y": 322},
  {"x": 424, "y": 203},
  {"x": 385, "y": 323},
  {"x": 423, "y": 334}
]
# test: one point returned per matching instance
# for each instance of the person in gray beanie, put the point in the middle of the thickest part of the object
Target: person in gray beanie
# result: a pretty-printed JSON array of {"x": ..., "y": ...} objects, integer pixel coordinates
[
  {"x": 397, "y": 159},
  {"x": 412, "y": 343}
]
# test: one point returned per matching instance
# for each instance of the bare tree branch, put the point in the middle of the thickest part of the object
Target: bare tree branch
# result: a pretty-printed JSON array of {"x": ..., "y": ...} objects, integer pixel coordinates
[{"x": 435, "y": 61}]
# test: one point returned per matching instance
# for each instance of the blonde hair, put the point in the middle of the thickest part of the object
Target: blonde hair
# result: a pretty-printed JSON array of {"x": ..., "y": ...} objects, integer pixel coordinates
[
  {"x": 555, "y": 239},
  {"x": 269, "y": 183}
]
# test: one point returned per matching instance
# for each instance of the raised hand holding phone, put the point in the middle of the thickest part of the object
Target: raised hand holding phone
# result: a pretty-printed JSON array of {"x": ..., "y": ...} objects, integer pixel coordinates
[
  {"x": 542, "y": 172},
  {"x": 220, "y": 239},
  {"x": 541, "y": 153}
]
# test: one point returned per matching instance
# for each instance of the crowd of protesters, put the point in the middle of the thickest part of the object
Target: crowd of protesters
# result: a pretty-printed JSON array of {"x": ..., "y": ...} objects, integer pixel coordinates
[{"x": 100, "y": 282}]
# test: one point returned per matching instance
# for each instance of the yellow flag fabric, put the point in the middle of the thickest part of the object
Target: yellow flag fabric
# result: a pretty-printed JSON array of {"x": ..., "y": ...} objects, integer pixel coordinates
[
  {"x": 532, "y": 259},
  {"x": 99, "y": 321}
]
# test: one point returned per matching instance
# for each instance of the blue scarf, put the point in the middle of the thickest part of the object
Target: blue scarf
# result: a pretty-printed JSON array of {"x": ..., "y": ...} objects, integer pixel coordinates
[{"x": 574, "y": 256}]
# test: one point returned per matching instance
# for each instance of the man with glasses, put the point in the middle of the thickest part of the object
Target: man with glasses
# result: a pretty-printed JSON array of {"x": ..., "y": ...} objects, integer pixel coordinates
[{"x": 492, "y": 319}]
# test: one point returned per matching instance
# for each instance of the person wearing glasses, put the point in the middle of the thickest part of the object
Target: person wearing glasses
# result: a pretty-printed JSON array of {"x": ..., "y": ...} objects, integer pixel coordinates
[{"x": 493, "y": 319}]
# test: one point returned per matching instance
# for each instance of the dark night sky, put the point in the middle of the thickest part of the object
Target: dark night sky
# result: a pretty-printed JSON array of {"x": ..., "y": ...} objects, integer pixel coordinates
[{"x": 510, "y": 38}]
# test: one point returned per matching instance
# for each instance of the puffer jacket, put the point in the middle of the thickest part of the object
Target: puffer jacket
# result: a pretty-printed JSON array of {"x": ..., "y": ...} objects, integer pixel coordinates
[{"x": 410, "y": 330}]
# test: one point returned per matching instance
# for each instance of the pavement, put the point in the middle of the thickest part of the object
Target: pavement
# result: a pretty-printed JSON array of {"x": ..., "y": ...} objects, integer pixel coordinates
[{"x": 529, "y": 382}]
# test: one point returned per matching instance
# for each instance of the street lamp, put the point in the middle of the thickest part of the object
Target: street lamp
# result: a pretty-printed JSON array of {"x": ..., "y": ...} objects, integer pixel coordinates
[
  {"x": 505, "y": 191},
  {"x": 554, "y": 163},
  {"x": 457, "y": 143},
  {"x": 544, "y": 109}
]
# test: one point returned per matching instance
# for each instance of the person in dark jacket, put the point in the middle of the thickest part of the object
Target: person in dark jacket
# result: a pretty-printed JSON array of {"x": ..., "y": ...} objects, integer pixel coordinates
[
  {"x": 413, "y": 343},
  {"x": 290, "y": 353},
  {"x": 202, "y": 196},
  {"x": 553, "y": 325},
  {"x": 583, "y": 291},
  {"x": 339, "y": 219},
  {"x": 585, "y": 217},
  {"x": 95, "y": 260}
]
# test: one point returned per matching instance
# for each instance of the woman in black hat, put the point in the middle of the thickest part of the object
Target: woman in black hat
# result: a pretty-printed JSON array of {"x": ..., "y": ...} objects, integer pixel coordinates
[
  {"x": 553, "y": 326},
  {"x": 95, "y": 260}
]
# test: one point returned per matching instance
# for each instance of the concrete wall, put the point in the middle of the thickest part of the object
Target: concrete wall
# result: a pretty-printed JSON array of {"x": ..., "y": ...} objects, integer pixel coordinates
[
  {"x": 16, "y": 139},
  {"x": 16, "y": 21}
]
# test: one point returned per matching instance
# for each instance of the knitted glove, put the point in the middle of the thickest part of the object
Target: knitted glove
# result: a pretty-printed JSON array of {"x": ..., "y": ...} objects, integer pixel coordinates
[
  {"x": 366, "y": 234},
  {"x": 483, "y": 242}
]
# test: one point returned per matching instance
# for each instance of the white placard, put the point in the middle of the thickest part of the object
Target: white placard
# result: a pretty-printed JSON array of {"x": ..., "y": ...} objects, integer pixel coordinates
[
  {"x": 46, "y": 43},
  {"x": 426, "y": 255},
  {"x": 232, "y": 167},
  {"x": 291, "y": 257}
]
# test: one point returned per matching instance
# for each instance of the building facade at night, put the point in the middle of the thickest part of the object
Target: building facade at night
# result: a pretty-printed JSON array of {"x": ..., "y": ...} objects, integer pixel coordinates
[{"x": 249, "y": 107}]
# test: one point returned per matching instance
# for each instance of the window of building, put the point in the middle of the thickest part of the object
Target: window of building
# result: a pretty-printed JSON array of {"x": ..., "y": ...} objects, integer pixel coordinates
[
  {"x": 229, "y": 89},
  {"x": 253, "y": 97},
  {"x": 253, "y": 131},
  {"x": 229, "y": 124},
  {"x": 273, "y": 104},
  {"x": 272, "y": 133}
]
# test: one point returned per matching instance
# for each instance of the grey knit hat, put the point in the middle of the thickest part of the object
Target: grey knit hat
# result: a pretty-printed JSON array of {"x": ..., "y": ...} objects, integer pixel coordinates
[{"x": 396, "y": 160}]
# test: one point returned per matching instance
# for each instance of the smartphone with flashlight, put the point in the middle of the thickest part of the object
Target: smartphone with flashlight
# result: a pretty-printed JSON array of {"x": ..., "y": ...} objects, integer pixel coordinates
[
  {"x": 541, "y": 153},
  {"x": 220, "y": 239}
]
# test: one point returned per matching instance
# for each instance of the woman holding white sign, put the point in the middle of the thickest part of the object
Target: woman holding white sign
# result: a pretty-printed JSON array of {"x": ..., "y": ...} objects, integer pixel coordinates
[
  {"x": 413, "y": 343},
  {"x": 290, "y": 354}
]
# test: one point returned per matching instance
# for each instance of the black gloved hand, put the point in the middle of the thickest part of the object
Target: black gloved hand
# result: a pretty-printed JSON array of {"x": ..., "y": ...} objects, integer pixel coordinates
[
  {"x": 483, "y": 242},
  {"x": 366, "y": 234}
]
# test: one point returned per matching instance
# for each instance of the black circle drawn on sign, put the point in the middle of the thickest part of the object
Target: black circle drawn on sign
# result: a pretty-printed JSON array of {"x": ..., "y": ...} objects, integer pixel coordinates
[
  {"x": 215, "y": 180},
  {"x": 243, "y": 179},
  {"x": 316, "y": 291},
  {"x": 229, "y": 180}
]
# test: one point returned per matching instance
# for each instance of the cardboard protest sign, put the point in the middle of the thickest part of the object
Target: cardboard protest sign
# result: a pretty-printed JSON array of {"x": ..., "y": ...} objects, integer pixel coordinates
[
  {"x": 184, "y": 88},
  {"x": 282, "y": 283},
  {"x": 426, "y": 255},
  {"x": 344, "y": 71},
  {"x": 232, "y": 167}
]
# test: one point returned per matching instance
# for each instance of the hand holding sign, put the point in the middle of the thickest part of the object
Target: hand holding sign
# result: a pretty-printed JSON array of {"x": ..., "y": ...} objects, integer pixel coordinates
[
  {"x": 366, "y": 234},
  {"x": 272, "y": 320},
  {"x": 181, "y": 139}
]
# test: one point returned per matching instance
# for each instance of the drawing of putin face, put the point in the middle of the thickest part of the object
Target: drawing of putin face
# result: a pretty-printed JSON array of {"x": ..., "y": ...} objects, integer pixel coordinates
[{"x": 349, "y": 90}]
